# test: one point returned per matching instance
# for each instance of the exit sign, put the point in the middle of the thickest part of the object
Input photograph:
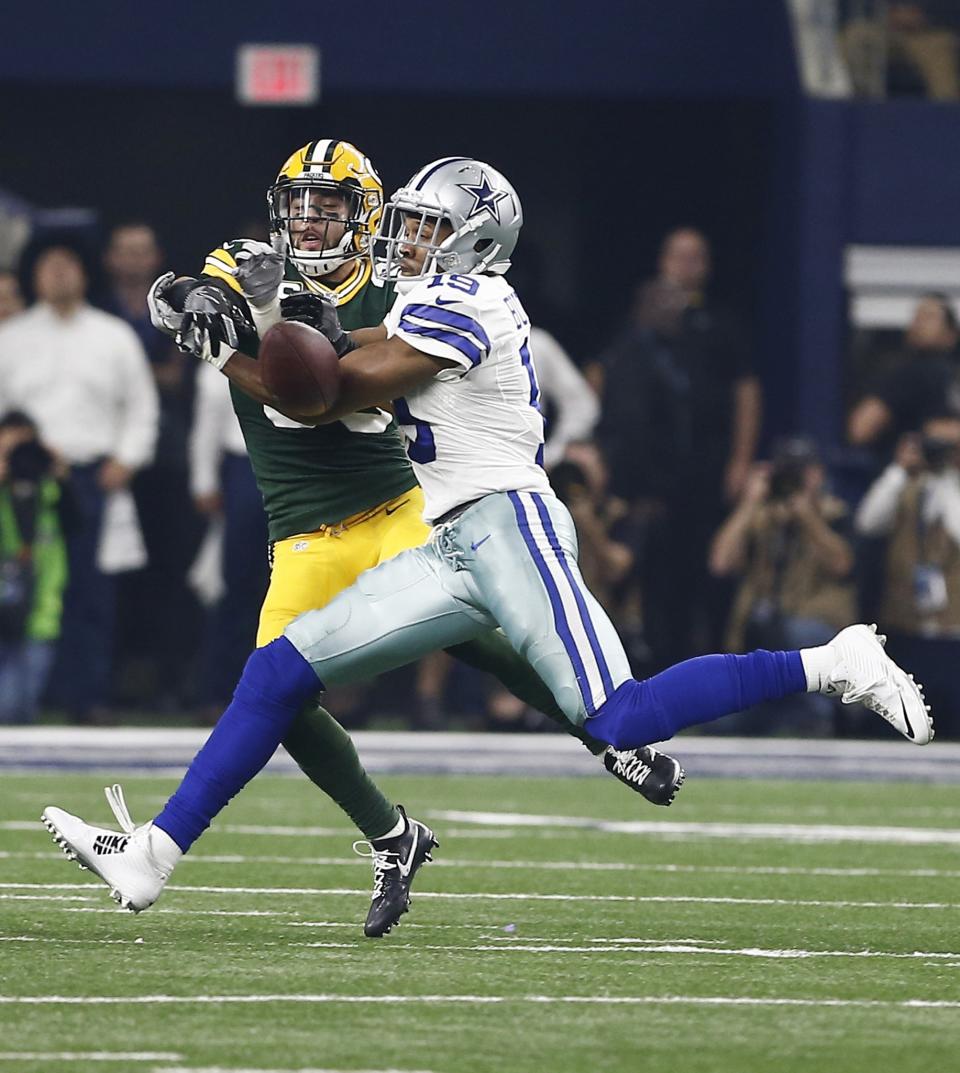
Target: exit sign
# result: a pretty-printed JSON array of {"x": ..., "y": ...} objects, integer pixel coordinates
[{"x": 278, "y": 74}]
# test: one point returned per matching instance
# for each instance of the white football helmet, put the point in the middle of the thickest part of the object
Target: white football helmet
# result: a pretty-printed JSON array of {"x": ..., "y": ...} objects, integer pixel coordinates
[{"x": 471, "y": 198}]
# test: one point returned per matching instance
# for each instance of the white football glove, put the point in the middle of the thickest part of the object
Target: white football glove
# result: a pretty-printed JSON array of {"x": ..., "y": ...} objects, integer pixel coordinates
[
  {"x": 259, "y": 271},
  {"x": 162, "y": 315}
]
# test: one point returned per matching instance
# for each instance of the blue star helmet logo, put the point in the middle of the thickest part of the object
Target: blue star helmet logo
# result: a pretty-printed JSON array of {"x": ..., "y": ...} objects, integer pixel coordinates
[{"x": 484, "y": 197}]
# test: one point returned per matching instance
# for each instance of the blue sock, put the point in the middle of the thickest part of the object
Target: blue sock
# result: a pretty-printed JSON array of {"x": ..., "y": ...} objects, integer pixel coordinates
[
  {"x": 695, "y": 691},
  {"x": 275, "y": 684}
]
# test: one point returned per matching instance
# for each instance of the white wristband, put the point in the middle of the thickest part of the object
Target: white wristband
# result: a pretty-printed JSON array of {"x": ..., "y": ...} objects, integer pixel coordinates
[
  {"x": 218, "y": 362},
  {"x": 264, "y": 317}
]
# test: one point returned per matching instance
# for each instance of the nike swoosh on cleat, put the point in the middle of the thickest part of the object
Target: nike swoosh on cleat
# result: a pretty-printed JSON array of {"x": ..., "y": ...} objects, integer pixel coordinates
[
  {"x": 404, "y": 868},
  {"x": 473, "y": 547},
  {"x": 906, "y": 719}
]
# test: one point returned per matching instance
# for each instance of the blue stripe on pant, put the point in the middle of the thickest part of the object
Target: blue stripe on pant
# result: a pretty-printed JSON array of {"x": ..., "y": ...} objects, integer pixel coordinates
[
  {"x": 559, "y": 615},
  {"x": 578, "y": 589}
]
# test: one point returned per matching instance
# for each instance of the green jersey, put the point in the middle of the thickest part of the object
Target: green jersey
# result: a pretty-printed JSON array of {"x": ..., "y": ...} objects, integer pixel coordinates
[{"x": 313, "y": 475}]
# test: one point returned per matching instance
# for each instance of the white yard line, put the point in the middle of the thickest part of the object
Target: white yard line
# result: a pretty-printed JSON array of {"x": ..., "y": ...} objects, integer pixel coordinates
[
  {"x": 638, "y": 947},
  {"x": 550, "y": 866},
  {"x": 351, "y": 925},
  {"x": 479, "y": 1000},
  {"x": 499, "y": 821},
  {"x": 47, "y": 897},
  {"x": 226, "y": 828},
  {"x": 45, "y": 939},
  {"x": 477, "y": 896},
  {"x": 528, "y": 945},
  {"x": 19, "y": 825},
  {"x": 781, "y": 832},
  {"x": 183, "y": 912},
  {"x": 90, "y": 1056},
  {"x": 258, "y": 1069}
]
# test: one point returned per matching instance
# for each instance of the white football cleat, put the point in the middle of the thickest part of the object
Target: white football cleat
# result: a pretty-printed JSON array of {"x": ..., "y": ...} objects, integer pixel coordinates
[
  {"x": 128, "y": 863},
  {"x": 865, "y": 673}
]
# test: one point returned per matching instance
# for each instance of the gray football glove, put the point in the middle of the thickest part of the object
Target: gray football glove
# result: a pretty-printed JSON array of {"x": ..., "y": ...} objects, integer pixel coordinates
[
  {"x": 208, "y": 323},
  {"x": 162, "y": 314},
  {"x": 259, "y": 271}
]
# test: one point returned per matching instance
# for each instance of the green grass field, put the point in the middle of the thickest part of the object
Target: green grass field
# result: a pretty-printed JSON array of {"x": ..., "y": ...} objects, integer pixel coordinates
[{"x": 540, "y": 940}]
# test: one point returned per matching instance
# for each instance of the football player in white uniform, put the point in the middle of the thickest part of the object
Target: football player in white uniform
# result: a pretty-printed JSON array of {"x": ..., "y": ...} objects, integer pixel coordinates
[{"x": 453, "y": 356}]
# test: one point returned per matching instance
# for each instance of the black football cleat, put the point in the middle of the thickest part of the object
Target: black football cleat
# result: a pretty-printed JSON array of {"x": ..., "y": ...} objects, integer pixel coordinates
[
  {"x": 395, "y": 863},
  {"x": 654, "y": 775}
]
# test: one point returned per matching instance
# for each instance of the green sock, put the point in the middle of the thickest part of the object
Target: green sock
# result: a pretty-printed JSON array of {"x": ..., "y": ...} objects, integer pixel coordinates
[
  {"x": 492, "y": 652},
  {"x": 327, "y": 756}
]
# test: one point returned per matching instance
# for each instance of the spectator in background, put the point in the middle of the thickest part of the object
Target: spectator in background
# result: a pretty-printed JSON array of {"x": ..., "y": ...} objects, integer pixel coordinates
[
  {"x": 11, "y": 300},
  {"x": 925, "y": 382},
  {"x": 162, "y": 645},
  {"x": 906, "y": 46},
  {"x": 224, "y": 490},
  {"x": 82, "y": 376},
  {"x": 786, "y": 541},
  {"x": 572, "y": 403},
  {"x": 915, "y": 504},
  {"x": 33, "y": 567},
  {"x": 681, "y": 412}
]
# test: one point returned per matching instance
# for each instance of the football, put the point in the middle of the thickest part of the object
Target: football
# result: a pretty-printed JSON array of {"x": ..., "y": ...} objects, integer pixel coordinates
[{"x": 299, "y": 366}]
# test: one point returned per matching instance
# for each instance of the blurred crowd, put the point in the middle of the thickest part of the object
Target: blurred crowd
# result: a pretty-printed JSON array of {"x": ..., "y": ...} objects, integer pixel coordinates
[
  {"x": 902, "y": 47},
  {"x": 133, "y": 544}
]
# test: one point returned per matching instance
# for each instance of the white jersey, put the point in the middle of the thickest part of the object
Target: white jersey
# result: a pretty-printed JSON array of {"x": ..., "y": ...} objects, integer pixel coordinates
[{"x": 476, "y": 428}]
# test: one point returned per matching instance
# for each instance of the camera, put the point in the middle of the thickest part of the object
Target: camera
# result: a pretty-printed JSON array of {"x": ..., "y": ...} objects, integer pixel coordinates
[
  {"x": 937, "y": 452},
  {"x": 786, "y": 479},
  {"x": 569, "y": 481},
  {"x": 792, "y": 455},
  {"x": 29, "y": 462}
]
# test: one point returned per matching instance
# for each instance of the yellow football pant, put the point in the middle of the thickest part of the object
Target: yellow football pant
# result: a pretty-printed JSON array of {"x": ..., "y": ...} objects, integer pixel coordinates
[
  {"x": 308, "y": 571},
  {"x": 311, "y": 568}
]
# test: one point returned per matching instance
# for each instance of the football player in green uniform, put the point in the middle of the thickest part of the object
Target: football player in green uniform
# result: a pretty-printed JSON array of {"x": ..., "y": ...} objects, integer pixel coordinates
[{"x": 340, "y": 498}]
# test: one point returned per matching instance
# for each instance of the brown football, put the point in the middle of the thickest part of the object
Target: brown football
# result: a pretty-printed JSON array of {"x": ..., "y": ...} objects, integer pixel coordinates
[{"x": 299, "y": 366}]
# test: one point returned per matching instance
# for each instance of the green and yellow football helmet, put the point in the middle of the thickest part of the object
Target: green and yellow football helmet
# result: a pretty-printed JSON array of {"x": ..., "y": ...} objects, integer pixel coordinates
[{"x": 325, "y": 206}]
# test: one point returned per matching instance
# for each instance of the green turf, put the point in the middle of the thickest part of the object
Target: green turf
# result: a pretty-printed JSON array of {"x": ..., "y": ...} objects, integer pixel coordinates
[{"x": 192, "y": 943}]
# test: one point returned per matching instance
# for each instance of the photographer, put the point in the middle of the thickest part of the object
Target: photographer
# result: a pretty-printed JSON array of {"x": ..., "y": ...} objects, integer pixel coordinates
[
  {"x": 786, "y": 541},
  {"x": 915, "y": 504},
  {"x": 33, "y": 567}
]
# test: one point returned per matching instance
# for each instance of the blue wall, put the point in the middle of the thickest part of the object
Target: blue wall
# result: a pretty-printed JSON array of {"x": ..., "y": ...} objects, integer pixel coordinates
[
  {"x": 905, "y": 173},
  {"x": 863, "y": 172},
  {"x": 668, "y": 47}
]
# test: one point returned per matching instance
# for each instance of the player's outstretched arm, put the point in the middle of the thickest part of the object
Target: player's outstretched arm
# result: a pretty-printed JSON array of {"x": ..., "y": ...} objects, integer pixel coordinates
[
  {"x": 375, "y": 374},
  {"x": 201, "y": 330}
]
